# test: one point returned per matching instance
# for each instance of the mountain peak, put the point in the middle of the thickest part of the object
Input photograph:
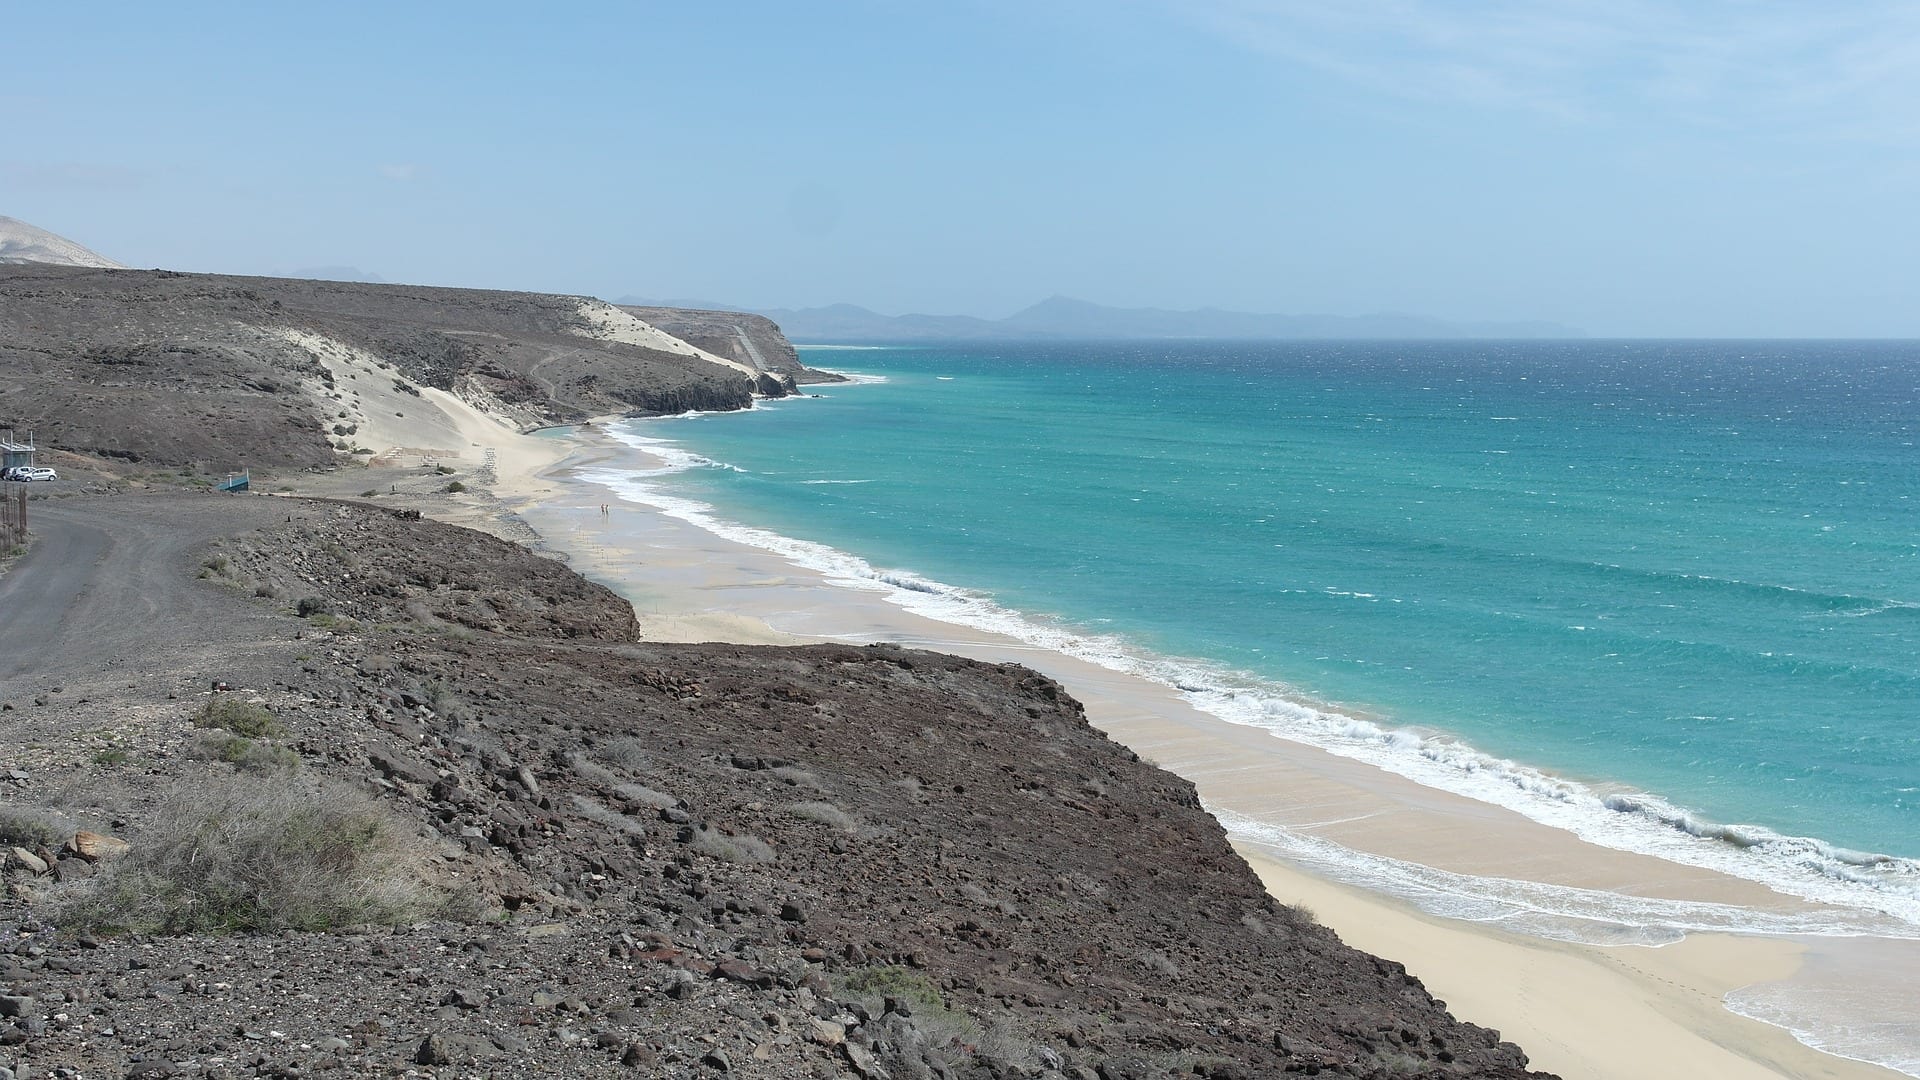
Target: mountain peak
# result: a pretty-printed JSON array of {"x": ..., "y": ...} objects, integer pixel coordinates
[{"x": 24, "y": 243}]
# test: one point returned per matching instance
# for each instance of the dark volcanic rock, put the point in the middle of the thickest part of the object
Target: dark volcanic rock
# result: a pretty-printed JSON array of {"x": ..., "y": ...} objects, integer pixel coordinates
[{"x": 877, "y": 860}]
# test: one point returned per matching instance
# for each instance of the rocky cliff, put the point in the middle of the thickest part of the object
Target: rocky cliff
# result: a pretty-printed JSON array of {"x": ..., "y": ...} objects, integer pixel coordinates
[
  {"x": 738, "y": 335},
  {"x": 219, "y": 372}
]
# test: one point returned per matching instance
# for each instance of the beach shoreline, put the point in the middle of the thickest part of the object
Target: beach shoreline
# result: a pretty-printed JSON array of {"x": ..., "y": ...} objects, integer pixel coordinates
[{"x": 1579, "y": 1009}]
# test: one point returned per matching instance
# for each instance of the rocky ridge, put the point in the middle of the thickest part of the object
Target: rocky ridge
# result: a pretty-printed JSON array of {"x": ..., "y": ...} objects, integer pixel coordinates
[{"x": 216, "y": 372}]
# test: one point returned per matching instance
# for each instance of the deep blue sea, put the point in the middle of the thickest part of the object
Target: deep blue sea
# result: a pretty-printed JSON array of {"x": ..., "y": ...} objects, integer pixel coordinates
[{"x": 1663, "y": 591}]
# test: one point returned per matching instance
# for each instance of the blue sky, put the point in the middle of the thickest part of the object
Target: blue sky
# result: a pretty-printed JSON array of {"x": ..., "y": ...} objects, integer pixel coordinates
[{"x": 1716, "y": 168}]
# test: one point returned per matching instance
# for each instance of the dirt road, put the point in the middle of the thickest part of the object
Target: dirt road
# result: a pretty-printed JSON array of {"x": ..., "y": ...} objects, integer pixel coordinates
[{"x": 108, "y": 592}]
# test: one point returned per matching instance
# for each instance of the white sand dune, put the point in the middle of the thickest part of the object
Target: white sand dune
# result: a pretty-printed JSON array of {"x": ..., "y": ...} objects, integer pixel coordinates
[{"x": 609, "y": 323}]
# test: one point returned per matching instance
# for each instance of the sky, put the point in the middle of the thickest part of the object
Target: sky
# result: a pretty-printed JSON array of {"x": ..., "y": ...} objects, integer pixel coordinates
[{"x": 1723, "y": 168}]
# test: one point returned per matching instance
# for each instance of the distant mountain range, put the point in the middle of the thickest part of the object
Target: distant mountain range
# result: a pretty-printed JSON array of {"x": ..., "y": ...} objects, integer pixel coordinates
[
  {"x": 1064, "y": 318},
  {"x": 1056, "y": 318},
  {"x": 24, "y": 243}
]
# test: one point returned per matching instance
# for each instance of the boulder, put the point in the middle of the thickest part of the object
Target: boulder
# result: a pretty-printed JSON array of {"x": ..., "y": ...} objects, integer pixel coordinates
[{"x": 93, "y": 846}]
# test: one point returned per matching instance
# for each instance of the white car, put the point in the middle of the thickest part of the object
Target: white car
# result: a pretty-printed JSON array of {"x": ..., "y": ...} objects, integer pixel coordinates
[{"x": 31, "y": 472}]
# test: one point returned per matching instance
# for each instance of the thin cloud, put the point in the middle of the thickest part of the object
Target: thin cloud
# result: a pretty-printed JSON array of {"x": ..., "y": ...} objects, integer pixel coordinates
[
  {"x": 70, "y": 175},
  {"x": 402, "y": 172},
  {"x": 1790, "y": 68}
]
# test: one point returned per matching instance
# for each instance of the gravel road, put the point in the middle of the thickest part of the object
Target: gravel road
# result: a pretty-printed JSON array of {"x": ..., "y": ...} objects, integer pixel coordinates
[{"x": 108, "y": 593}]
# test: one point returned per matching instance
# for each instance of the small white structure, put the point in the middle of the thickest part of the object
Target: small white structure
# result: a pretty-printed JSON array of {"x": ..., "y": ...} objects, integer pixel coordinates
[{"x": 15, "y": 452}]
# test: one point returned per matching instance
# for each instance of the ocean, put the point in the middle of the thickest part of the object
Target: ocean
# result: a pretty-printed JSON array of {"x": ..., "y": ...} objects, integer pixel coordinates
[{"x": 1661, "y": 594}]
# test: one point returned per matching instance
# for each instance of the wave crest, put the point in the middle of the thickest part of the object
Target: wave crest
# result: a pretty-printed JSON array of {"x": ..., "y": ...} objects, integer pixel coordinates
[{"x": 1871, "y": 884}]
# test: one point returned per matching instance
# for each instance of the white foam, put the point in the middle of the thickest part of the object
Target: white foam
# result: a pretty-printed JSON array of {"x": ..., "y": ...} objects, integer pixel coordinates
[
  {"x": 1560, "y": 912},
  {"x": 854, "y": 378},
  {"x": 1877, "y": 894},
  {"x": 1865, "y": 1026}
]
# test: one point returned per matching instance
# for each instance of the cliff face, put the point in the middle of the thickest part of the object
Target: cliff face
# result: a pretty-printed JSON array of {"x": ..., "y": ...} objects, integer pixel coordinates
[
  {"x": 738, "y": 335},
  {"x": 218, "y": 371}
]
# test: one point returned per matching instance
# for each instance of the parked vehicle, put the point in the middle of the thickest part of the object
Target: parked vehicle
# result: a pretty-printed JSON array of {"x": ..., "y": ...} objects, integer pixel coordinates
[{"x": 31, "y": 472}]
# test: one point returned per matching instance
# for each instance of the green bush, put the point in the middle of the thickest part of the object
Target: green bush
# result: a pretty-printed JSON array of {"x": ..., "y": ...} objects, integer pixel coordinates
[
  {"x": 454, "y": 488},
  {"x": 230, "y": 713},
  {"x": 308, "y": 606},
  {"x": 932, "y": 1022},
  {"x": 257, "y": 854},
  {"x": 245, "y": 754}
]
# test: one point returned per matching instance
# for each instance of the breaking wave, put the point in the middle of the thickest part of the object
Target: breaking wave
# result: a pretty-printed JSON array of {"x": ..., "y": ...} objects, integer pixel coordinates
[{"x": 1881, "y": 893}]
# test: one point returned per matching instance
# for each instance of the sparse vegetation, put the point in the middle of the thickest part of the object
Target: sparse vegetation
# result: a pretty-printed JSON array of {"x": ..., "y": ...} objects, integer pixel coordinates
[
  {"x": 443, "y": 470},
  {"x": 257, "y": 854},
  {"x": 244, "y": 718},
  {"x": 932, "y": 1021},
  {"x": 594, "y": 810},
  {"x": 443, "y": 699},
  {"x": 626, "y": 752},
  {"x": 24, "y": 827},
  {"x": 873, "y": 985},
  {"x": 454, "y": 488},
  {"x": 795, "y": 776},
  {"x": 112, "y": 755},
  {"x": 308, "y": 606},
  {"x": 825, "y": 813},
  {"x": 730, "y": 847},
  {"x": 247, "y": 755}
]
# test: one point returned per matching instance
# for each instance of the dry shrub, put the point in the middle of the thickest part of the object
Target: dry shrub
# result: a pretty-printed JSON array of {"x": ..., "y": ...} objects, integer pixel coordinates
[
  {"x": 646, "y": 796},
  {"x": 795, "y": 776},
  {"x": 626, "y": 753},
  {"x": 30, "y": 828},
  {"x": 243, "y": 753},
  {"x": 825, "y": 813},
  {"x": 258, "y": 854},
  {"x": 244, "y": 718},
  {"x": 587, "y": 770},
  {"x": 637, "y": 793},
  {"x": 730, "y": 847},
  {"x": 593, "y": 810}
]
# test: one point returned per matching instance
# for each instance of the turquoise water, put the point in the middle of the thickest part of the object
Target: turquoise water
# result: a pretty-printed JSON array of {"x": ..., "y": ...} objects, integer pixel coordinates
[{"x": 1670, "y": 586}]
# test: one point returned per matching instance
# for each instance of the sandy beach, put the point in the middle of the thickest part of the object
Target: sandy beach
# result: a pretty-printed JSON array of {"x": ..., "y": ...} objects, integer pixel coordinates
[{"x": 1581, "y": 1010}]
